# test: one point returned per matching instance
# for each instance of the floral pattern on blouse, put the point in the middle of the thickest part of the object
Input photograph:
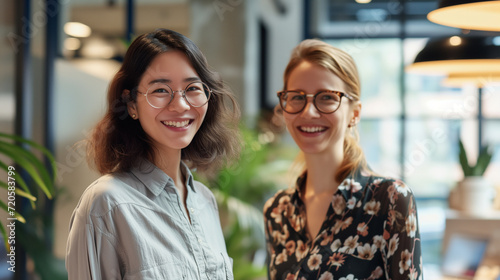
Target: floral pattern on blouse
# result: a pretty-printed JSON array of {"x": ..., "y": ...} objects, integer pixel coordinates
[{"x": 370, "y": 232}]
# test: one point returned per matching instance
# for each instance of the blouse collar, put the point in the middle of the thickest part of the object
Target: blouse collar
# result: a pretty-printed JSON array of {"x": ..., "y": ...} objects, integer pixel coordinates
[
  {"x": 155, "y": 179},
  {"x": 351, "y": 186}
]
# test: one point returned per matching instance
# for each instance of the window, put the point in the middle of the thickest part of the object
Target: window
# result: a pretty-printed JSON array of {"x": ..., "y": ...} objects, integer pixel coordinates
[{"x": 410, "y": 124}]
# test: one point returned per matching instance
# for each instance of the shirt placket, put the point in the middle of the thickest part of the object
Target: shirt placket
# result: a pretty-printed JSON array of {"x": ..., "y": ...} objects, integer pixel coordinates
[
  {"x": 194, "y": 235},
  {"x": 203, "y": 254}
]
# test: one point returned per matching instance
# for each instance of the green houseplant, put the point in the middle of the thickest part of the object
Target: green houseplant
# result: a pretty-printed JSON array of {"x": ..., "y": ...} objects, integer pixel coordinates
[
  {"x": 34, "y": 232},
  {"x": 474, "y": 193},
  {"x": 241, "y": 191},
  {"x": 11, "y": 147},
  {"x": 482, "y": 161}
]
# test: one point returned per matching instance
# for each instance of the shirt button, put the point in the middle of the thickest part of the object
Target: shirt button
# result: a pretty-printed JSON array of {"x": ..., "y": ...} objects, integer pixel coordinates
[
  {"x": 200, "y": 240},
  {"x": 192, "y": 210}
]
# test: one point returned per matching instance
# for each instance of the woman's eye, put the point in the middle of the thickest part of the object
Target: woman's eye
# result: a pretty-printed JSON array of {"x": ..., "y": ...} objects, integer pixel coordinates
[
  {"x": 193, "y": 89},
  {"x": 160, "y": 90},
  {"x": 329, "y": 97},
  {"x": 297, "y": 97}
]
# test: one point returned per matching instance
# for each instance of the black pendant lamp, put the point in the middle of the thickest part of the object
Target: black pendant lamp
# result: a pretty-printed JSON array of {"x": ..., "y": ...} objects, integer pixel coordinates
[
  {"x": 472, "y": 14},
  {"x": 460, "y": 56}
]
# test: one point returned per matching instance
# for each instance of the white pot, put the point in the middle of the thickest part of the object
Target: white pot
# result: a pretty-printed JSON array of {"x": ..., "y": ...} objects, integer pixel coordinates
[{"x": 473, "y": 195}]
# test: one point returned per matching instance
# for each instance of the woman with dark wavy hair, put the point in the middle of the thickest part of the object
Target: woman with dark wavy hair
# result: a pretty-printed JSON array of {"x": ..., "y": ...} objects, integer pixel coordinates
[
  {"x": 146, "y": 218},
  {"x": 340, "y": 220}
]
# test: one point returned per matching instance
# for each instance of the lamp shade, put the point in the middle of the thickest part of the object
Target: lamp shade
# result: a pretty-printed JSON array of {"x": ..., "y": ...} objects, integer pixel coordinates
[
  {"x": 471, "y": 56},
  {"x": 478, "y": 79},
  {"x": 472, "y": 14}
]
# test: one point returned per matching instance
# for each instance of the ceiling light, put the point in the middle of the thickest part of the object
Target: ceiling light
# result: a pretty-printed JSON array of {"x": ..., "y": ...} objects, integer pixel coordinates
[
  {"x": 455, "y": 40},
  {"x": 72, "y": 44},
  {"x": 77, "y": 29},
  {"x": 96, "y": 47},
  {"x": 473, "y": 56},
  {"x": 478, "y": 79},
  {"x": 472, "y": 14}
]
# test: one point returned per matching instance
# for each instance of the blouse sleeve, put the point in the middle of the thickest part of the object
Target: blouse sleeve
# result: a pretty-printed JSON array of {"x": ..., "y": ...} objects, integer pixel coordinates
[
  {"x": 90, "y": 254},
  {"x": 271, "y": 273},
  {"x": 401, "y": 233}
]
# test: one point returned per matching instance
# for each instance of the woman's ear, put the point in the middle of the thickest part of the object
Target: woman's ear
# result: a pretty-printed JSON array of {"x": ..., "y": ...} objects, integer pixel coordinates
[
  {"x": 356, "y": 112},
  {"x": 131, "y": 104}
]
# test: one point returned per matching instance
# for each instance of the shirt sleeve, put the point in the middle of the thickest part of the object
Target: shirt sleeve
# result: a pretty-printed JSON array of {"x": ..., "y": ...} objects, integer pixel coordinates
[
  {"x": 401, "y": 232},
  {"x": 90, "y": 253},
  {"x": 271, "y": 272}
]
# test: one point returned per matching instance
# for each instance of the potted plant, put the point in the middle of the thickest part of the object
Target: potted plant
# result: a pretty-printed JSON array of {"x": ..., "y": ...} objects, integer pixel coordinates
[
  {"x": 474, "y": 194},
  {"x": 241, "y": 191},
  {"x": 28, "y": 162},
  {"x": 34, "y": 225}
]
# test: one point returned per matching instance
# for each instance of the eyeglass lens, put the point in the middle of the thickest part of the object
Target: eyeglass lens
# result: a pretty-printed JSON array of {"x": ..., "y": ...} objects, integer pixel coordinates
[
  {"x": 295, "y": 101},
  {"x": 196, "y": 94}
]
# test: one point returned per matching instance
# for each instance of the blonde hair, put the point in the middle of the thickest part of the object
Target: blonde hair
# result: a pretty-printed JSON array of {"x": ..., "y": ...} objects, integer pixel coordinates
[{"x": 342, "y": 65}]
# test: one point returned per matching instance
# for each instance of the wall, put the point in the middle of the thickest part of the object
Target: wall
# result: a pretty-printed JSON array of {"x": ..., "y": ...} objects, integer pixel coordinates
[{"x": 80, "y": 99}]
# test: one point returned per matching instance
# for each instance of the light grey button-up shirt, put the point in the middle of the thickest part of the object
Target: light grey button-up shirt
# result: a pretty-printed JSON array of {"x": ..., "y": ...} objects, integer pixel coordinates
[{"x": 134, "y": 225}]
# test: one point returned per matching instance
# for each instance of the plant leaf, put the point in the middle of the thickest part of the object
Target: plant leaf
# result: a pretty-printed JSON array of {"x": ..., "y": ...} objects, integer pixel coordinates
[
  {"x": 483, "y": 160},
  {"x": 246, "y": 215},
  {"x": 4, "y": 236},
  {"x": 18, "y": 191},
  {"x": 19, "y": 156},
  {"x": 19, "y": 181},
  {"x": 466, "y": 168},
  {"x": 37, "y": 146},
  {"x": 31, "y": 158},
  {"x": 16, "y": 214}
]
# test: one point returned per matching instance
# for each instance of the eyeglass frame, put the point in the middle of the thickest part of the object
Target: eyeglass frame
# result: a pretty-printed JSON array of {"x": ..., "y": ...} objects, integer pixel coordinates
[
  {"x": 338, "y": 93},
  {"x": 172, "y": 93}
]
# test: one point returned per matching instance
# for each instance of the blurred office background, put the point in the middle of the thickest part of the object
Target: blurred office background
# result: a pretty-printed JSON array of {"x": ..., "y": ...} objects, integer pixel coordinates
[{"x": 57, "y": 58}]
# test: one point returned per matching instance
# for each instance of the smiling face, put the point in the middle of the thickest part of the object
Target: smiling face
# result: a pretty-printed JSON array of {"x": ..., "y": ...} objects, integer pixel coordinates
[
  {"x": 315, "y": 132},
  {"x": 173, "y": 127}
]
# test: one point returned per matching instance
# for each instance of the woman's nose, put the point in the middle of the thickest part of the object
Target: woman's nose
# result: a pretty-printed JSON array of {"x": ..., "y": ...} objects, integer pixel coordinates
[
  {"x": 310, "y": 109},
  {"x": 178, "y": 102}
]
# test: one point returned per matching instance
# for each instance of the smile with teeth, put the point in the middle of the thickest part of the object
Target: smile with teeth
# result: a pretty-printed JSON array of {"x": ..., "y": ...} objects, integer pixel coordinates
[
  {"x": 176, "y": 123},
  {"x": 312, "y": 129}
]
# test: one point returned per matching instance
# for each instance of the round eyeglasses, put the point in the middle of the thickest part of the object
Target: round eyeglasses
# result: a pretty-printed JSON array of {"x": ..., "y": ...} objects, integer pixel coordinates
[
  {"x": 159, "y": 95},
  {"x": 325, "y": 101}
]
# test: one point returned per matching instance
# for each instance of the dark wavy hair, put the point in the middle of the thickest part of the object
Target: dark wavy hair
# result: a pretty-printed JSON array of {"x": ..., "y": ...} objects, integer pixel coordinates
[{"x": 118, "y": 141}]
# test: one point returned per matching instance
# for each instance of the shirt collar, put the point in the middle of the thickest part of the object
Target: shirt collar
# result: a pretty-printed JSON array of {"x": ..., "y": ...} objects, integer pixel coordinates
[
  {"x": 155, "y": 179},
  {"x": 351, "y": 186},
  {"x": 301, "y": 180}
]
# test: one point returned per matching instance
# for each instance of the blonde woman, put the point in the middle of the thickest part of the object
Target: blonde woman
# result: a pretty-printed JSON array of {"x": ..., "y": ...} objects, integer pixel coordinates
[{"x": 340, "y": 221}]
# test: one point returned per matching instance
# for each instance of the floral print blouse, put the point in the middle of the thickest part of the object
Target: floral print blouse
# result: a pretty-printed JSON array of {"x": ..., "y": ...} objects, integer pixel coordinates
[{"x": 370, "y": 232}]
